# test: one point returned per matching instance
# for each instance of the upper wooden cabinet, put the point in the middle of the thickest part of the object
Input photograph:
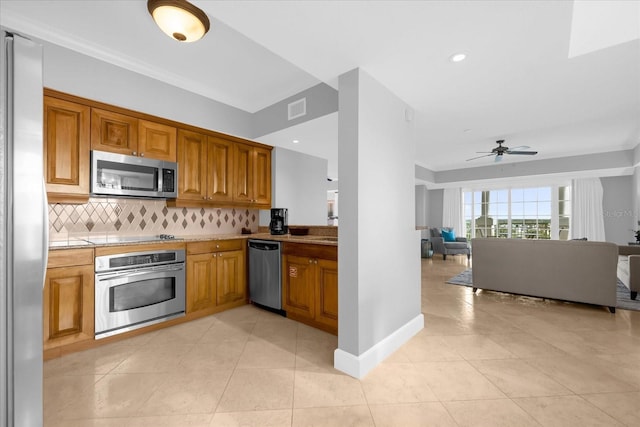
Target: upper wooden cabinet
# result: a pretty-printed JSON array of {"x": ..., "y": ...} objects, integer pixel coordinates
[
  {"x": 113, "y": 132},
  {"x": 220, "y": 162},
  {"x": 192, "y": 166},
  {"x": 205, "y": 167},
  {"x": 213, "y": 169},
  {"x": 156, "y": 140},
  {"x": 223, "y": 172},
  {"x": 252, "y": 182},
  {"x": 123, "y": 134},
  {"x": 66, "y": 150}
]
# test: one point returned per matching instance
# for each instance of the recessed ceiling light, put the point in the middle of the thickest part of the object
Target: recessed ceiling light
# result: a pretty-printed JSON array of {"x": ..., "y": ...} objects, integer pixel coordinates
[
  {"x": 458, "y": 57},
  {"x": 295, "y": 141}
]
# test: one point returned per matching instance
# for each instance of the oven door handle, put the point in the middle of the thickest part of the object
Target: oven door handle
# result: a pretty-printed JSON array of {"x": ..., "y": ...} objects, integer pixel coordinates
[{"x": 139, "y": 272}]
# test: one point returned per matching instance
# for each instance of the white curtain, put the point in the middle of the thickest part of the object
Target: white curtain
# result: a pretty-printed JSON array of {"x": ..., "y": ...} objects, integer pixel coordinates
[
  {"x": 587, "y": 219},
  {"x": 452, "y": 215}
]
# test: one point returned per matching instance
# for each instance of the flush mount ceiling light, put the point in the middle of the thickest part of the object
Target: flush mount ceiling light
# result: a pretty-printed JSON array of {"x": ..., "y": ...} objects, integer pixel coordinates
[
  {"x": 179, "y": 19},
  {"x": 458, "y": 57}
]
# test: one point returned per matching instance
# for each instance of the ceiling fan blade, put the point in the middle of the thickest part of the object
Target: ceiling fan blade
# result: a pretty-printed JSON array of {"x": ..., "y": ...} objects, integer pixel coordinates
[
  {"x": 479, "y": 157},
  {"x": 527, "y": 153},
  {"x": 498, "y": 159},
  {"x": 519, "y": 148}
]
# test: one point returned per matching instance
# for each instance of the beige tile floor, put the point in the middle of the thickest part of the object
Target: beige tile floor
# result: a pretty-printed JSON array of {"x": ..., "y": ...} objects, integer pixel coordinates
[{"x": 488, "y": 359}]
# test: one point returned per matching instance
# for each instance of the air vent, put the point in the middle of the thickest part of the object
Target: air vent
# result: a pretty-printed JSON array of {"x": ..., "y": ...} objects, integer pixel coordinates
[{"x": 297, "y": 109}]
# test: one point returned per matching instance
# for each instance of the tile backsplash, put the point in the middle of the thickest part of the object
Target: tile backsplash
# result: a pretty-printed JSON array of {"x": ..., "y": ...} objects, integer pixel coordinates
[{"x": 141, "y": 217}]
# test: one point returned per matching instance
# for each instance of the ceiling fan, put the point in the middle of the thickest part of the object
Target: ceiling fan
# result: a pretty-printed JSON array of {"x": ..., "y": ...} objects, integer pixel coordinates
[{"x": 500, "y": 150}]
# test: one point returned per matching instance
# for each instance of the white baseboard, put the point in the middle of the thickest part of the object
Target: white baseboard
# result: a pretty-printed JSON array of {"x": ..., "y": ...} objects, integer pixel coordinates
[{"x": 359, "y": 366}]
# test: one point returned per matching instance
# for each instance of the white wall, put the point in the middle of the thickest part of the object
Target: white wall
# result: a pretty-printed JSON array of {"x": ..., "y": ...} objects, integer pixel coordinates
[
  {"x": 81, "y": 75},
  {"x": 379, "y": 248},
  {"x": 421, "y": 205},
  {"x": 435, "y": 207},
  {"x": 298, "y": 183}
]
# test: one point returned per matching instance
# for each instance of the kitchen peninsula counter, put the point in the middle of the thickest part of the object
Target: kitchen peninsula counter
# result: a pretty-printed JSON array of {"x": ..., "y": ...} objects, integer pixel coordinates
[{"x": 76, "y": 243}]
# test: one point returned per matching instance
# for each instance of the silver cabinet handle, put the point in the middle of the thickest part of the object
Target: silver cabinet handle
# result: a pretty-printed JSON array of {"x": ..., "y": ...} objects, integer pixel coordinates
[
  {"x": 134, "y": 153},
  {"x": 140, "y": 271}
]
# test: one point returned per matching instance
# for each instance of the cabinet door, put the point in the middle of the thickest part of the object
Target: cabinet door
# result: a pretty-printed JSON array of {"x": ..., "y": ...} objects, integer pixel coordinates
[
  {"x": 262, "y": 177},
  {"x": 220, "y": 177},
  {"x": 68, "y": 302},
  {"x": 201, "y": 285},
  {"x": 327, "y": 292},
  {"x": 243, "y": 173},
  {"x": 231, "y": 282},
  {"x": 192, "y": 165},
  {"x": 66, "y": 147},
  {"x": 114, "y": 132},
  {"x": 298, "y": 289},
  {"x": 156, "y": 140}
]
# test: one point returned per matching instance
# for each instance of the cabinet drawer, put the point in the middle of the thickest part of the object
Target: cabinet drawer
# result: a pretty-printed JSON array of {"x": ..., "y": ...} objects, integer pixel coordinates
[
  {"x": 70, "y": 257},
  {"x": 215, "y": 246},
  {"x": 310, "y": 250}
]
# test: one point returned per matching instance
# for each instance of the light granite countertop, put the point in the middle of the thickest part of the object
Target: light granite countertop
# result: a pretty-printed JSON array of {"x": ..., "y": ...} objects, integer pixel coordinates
[{"x": 101, "y": 241}]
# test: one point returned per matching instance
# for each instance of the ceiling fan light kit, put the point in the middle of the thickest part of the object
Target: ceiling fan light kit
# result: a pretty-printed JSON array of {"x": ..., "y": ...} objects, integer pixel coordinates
[
  {"x": 500, "y": 150},
  {"x": 179, "y": 19}
]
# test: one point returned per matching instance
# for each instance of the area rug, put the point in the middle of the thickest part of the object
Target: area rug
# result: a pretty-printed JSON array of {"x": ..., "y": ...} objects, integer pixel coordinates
[{"x": 623, "y": 300}]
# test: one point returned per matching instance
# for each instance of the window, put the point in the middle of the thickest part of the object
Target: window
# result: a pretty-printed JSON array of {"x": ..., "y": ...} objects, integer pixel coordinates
[{"x": 518, "y": 213}]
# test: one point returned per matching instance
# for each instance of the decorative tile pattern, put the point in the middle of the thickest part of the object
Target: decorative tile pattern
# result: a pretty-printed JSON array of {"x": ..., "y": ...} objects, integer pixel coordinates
[{"x": 144, "y": 217}]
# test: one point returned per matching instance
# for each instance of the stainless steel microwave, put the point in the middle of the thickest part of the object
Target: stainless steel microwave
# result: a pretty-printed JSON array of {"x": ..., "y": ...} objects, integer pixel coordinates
[{"x": 130, "y": 176}]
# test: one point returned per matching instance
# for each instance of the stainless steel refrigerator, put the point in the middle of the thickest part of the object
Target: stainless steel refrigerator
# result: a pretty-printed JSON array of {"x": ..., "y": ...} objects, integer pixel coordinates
[{"x": 23, "y": 232}]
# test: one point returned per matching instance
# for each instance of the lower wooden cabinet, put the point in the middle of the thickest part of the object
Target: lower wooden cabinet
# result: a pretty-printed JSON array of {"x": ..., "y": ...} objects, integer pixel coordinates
[
  {"x": 327, "y": 293},
  {"x": 68, "y": 298},
  {"x": 231, "y": 281},
  {"x": 216, "y": 275},
  {"x": 310, "y": 284},
  {"x": 201, "y": 279}
]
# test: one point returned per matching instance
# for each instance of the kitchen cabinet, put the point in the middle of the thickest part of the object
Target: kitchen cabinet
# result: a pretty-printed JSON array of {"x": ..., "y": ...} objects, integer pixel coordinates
[
  {"x": 206, "y": 168},
  {"x": 68, "y": 298},
  {"x": 123, "y": 134},
  {"x": 216, "y": 275},
  {"x": 66, "y": 150},
  {"x": 156, "y": 140},
  {"x": 220, "y": 161},
  {"x": 213, "y": 168},
  {"x": 310, "y": 284},
  {"x": 114, "y": 132},
  {"x": 252, "y": 183}
]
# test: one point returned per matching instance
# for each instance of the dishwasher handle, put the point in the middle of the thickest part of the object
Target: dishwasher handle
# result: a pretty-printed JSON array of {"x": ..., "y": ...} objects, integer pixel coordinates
[{"x": 264, "y": 246}]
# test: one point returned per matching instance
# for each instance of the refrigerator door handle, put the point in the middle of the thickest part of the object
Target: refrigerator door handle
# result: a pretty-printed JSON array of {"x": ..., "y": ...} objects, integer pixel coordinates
[{"x": 45, "y": 242}]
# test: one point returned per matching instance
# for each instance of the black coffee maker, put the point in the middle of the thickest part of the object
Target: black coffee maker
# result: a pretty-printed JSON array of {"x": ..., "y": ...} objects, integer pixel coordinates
[{"x": 278, "y": 224}]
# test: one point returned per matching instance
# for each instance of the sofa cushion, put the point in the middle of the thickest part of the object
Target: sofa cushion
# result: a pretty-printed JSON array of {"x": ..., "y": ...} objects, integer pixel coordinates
[
  {"x": 456, "y": 245},
  {"x": 448, "y": 235}
]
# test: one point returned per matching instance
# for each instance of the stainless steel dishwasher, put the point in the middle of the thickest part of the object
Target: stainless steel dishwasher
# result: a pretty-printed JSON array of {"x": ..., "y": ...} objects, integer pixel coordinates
[{"x": 265, "y": 284}]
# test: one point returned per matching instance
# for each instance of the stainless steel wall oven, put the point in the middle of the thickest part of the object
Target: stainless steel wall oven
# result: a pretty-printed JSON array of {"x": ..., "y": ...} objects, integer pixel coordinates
[{"x": 138, "y": 289}]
